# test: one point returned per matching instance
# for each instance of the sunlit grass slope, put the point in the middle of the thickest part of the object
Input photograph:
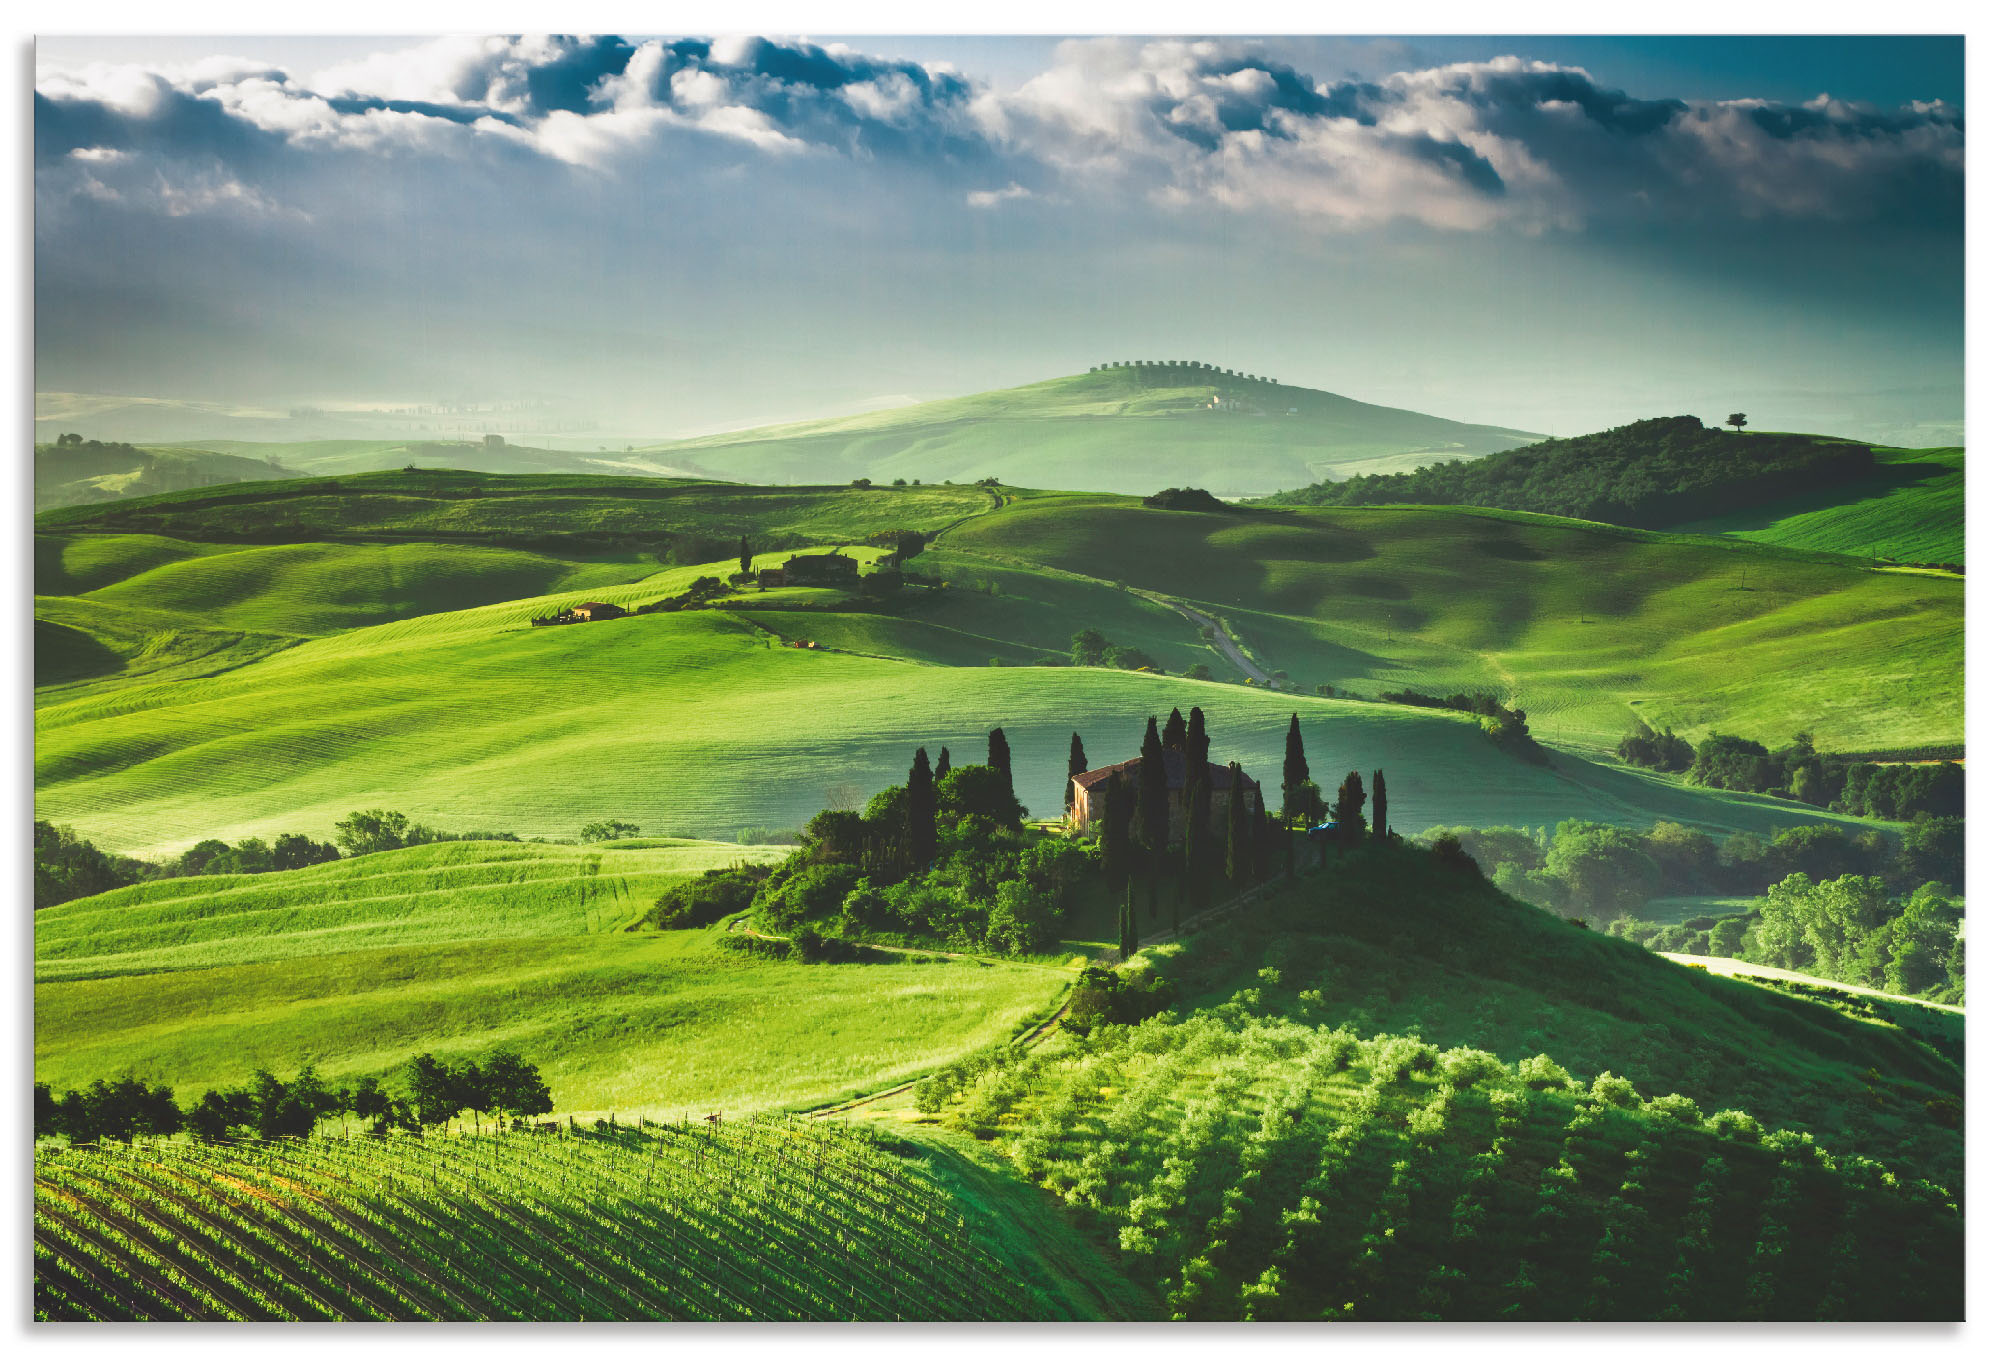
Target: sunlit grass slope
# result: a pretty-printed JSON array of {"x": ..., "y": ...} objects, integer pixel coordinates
[
  {"x": 1912, "y": 508},
  {"x": 468, "y": 506},
  {"x": 1591, "y": 628},
  {"x": 443, "y": 892},
  {"x": 698, "y": 724},
  {"x": 1120, "y": 430},
  {"x": 661, "y": 1023}
]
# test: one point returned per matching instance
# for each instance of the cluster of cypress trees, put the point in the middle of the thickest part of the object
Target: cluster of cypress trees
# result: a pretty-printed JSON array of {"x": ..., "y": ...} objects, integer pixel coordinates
[{"x": 920, "y": 798}]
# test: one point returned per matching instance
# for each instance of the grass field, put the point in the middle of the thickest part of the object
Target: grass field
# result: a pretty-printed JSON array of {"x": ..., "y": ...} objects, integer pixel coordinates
[
  {"x": 1120, "y": 430},
  {"x": 699, "y": 724},
  {"x": 472, "y": 507},
  {"x": 1590, "y": 628},
  {"x": 768, "y": 1219},
  {"x": 443, "y": 892},
  {"x": 1912, "y": 508},
  {"x": 463, "y": 948}
]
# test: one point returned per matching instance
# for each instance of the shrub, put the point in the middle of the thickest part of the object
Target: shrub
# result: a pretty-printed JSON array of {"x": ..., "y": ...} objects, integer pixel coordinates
[{"x": 709, "y": 897}]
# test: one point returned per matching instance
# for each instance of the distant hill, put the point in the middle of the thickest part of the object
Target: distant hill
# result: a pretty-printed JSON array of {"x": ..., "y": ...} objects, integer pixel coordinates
[
  {"x": 1128, "y": 429},
  {"x": 97, "y": 472},
  {"x": 1652, "y": 473}
]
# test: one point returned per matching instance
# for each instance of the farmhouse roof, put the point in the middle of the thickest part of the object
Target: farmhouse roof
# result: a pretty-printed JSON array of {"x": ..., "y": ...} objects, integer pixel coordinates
[{"x": 1218, "y": 774}]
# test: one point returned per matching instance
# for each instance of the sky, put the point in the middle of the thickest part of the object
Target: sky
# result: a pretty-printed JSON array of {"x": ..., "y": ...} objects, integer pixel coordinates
[{"x": 658, "y": 235}]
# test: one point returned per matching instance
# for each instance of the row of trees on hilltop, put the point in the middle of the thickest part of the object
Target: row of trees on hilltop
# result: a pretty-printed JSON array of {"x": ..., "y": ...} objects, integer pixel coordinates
[
  {"x": 1800, "y": 771},
  {"x": 1652, "y": 473},
  {"x": 427, "y": 1092}
]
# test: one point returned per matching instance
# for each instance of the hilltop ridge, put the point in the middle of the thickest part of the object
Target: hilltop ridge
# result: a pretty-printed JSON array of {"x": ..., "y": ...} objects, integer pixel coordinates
[{"x": 1125, "y": 426}]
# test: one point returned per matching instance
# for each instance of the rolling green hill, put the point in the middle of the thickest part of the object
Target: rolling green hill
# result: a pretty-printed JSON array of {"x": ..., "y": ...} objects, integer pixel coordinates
[
  {"x": 99, "y": 472},
  {"x": 547, "y": 512},
  {"x": 1911, "y": 508},
  {"x": 360, "y": 964},
  {"x": 444, "y": 892},
  {"x": 700, "y": 724},
  {"x": 1131, "y": 429},
  {"x": 1590, "y": 628}
]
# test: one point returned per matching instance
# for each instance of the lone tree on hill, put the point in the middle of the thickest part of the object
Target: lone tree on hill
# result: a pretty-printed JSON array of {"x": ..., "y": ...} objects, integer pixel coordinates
[
  {"x": 1077, "y": 766},
  {"x": 921, "y": 804},
  {"x": 1737, "y": 421},
  {"x": 1240, "y": 855},
  {"x": 1175, "y": 735},
  {"x": 999, "y": 757},
  {"x": 943, "y": 764},
  {"x": 1381, "y": 808},
  {"x": 743, "y": 553},
  {"x": 1347, "y": 810},
  {"x": 1296, "y": 771}
]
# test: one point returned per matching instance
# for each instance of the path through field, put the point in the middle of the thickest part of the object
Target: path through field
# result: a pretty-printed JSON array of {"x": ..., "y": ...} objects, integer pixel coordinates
[
  {"x": 1216, "y": 636},
  {"x": 1737, "y": 969}
]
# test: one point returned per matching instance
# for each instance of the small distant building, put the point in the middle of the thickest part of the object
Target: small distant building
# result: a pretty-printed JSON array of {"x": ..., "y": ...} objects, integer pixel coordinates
[
  {"x": 1087, "y": 802},
  {"x": 832, "y": 570},
  {"x": 596, "y": 611},
  {"x": 773, "y": 578},
  {"x": 495, "y": 442}
]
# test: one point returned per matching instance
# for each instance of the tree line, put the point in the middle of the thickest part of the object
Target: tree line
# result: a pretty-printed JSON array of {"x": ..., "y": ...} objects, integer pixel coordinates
[
  {"x": 68, "y": 867},
  {"x": 1652, "y": 474},
  {"x": 1853, "y": 928},
  {"x": 1800, "y": 771},
  {"x": 427, "y": 1091},
  {"x": 1606, "y": 871}
]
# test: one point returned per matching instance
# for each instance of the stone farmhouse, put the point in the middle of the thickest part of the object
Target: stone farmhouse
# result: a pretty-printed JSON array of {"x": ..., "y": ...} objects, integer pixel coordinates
[
  {"x": 831, "y": 570},
  {"x": 1087, "y": 802}
]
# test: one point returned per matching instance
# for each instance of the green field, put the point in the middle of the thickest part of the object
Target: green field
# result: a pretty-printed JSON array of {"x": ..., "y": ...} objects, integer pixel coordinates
[
  {"x": 477, "y": 508},
  {"x": 1589, "y": 628},
  {"x": 1124, "y": 430},
  {"x": 768, "y": 1219},
  {"x": 462, "y": 948},
  {"x": 1912, "y": 508},
  {"x": 443, "y": 892},
  {"x": 66, "y": 476},
  {"x": 698, "y": 725}
]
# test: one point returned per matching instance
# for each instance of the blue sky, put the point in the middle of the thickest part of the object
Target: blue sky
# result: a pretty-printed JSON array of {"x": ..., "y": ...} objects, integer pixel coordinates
[{"x": 668, "y": 235}]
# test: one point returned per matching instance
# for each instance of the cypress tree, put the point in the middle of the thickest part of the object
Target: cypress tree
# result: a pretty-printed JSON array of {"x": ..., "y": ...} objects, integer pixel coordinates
[
  {"x": 743, "y": 553},
  {"x": 920, "y": 803},
  {"x": 1296, "y": 771},
  {"x": 1381, "y": 808},
  {"x": 1175, "y": 736},
  {"x": 1125, "y": 930},
  {"x": 1151, "y": 825},
  {"x": 1116, "y": 828},
  {"x": 999, "y": 757},
  {"x": 1238, "y": 856},
  {"x": 1347, "y": 810},
  {"x": 1196, "y": 752},
  {"x": 1077, "y": 767},
  {"x": 943, "y": 763}
]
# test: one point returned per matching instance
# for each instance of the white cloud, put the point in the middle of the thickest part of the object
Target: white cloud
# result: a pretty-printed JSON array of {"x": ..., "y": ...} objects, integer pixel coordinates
[{"x": 1506, "y": 143}]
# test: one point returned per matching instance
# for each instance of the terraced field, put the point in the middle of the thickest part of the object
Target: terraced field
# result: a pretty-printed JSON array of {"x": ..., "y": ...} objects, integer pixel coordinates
[{"x": 770, "y": 1219}]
